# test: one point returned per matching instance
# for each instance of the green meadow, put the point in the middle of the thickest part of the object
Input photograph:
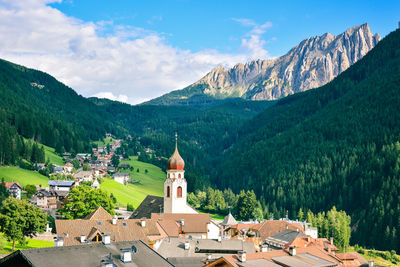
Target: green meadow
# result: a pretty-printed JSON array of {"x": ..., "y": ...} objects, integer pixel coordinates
[
  {"x": 22, "y": 176},
  {"x": 146, "y": 183}
]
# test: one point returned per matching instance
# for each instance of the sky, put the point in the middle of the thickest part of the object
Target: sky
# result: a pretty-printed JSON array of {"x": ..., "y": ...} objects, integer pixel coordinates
[{"x": 133, "y": 51}]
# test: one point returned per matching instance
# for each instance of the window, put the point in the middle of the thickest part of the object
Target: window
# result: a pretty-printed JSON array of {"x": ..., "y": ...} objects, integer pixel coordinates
[
  {"x": 168, "y": 191},
  {"x": 97, "y": 238},
  {"x": 179, "y": 191},
  {"x": 179, "y": 175}
]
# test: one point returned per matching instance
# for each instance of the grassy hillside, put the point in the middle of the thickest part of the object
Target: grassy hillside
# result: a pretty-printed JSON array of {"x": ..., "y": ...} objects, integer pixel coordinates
[
  {"x": 52, "y": 156},
  {"x": 22, "y": 176},
  {"x": 150, "y": 183}
]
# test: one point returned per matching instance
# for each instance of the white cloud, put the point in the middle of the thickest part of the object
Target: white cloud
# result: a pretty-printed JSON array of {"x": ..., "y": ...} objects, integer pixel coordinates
[
  {"x": 120, "y": 62},
  {"x": 252, "y": 43},
  {"x": 110, "y": 95}
]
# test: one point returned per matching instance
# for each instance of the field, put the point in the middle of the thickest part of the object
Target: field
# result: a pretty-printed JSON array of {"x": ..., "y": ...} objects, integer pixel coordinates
[
  {"x": 52, "y": 156},
  {"x": 22, "y": 176},
  {"x": 380, "y": 258},
  {"x": 106, "y": 141},
  {"x": 150, "y": 183},
  {"x": 32, "y": 243}
]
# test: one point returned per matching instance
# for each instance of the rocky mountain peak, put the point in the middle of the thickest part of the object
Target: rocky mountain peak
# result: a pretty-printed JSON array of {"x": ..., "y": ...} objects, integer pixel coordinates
[{"x": 312, "y": 63}]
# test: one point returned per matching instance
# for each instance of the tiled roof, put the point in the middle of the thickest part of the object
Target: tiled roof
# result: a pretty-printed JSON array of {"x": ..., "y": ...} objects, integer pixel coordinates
[
  {"x": 193, "y": 223},
  {"x": 99, "y": 214},
  {"x": 61, "y": 183},
  {"x": 151, "y": 204},
  {"x": 272, "y": 227},
  {"x": 123, "y": 230},
  {"x": 85, "y": 255},
  {"x": 229, "y": 220},
  {"x": 9, "y": 184}
]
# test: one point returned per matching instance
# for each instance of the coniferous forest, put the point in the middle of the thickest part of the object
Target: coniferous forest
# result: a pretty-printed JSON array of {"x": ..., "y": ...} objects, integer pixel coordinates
[{"x": 338, "y": 145}]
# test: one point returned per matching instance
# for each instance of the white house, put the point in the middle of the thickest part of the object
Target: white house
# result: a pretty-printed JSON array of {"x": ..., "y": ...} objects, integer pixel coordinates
[
  {"x": 14, "y": 189},
  {"x": 121, "y": 177}
]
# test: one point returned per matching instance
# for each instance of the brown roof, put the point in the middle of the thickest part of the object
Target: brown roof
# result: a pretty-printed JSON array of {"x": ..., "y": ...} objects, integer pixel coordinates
[
  {"x": 193, "y": 223},
  {"x": 307, "y": 241},
  {"x": 351, "y": 259},
  {"x": 124, "y": 230},
  {"x": 233, "y": 260},
  {"x": 170, "y": 227},
  {"x": 9, "y": 184},
  {"x": 99, "y": 214},
  {"x": 272, "y": 227}
]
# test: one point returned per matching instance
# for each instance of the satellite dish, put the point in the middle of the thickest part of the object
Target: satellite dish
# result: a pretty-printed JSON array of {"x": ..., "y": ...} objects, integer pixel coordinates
[{"x": 134, "y": 250}]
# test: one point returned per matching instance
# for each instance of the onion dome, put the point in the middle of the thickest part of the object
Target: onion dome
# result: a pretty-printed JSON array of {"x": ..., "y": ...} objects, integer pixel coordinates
[{"x": 176, "y": 162}]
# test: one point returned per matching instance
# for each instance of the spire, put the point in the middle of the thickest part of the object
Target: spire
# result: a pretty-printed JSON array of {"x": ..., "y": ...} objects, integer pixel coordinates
[
  {"x": 176, "y": 162},
  {"x": 176, "y": 140}
]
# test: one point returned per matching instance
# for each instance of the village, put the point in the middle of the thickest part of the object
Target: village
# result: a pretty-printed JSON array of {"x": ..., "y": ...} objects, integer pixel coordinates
[{"x": 164, "y": 231}]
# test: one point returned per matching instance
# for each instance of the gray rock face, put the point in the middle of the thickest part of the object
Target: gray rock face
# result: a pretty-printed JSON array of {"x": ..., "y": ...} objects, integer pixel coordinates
[{"x": 312, "y": 63}]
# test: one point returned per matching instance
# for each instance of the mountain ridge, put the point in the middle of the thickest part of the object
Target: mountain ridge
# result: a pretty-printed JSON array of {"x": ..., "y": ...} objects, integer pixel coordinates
[{"x": 312, "y": 63}]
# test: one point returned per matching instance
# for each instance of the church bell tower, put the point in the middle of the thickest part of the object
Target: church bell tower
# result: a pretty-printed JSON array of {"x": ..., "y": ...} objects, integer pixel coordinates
[{"x": 175, "y": 186}]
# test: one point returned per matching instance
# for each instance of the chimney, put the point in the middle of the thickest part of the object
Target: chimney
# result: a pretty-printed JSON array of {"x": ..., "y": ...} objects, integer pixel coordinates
[
  {"x": 83, "y": 238},
  {"x": 292, "y": 251},
  {"x": 59, "y": 241},
  {"x": 331, "y": 240},
  {"x": 114, "y": 220},
  {"x": 143, "y": 222},
  {"x": 264, "y": 248},
  {"x": 126, "y": 255},
  {"x": 371, "y": 264},
  {"x": 106, "y": 238},
  {"x": 308, "y": 238},
  {"x": 187, "y": 245},
  {"x": 242, "y": 256}
]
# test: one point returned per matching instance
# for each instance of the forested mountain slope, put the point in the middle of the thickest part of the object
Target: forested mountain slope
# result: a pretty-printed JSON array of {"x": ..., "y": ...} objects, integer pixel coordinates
[
  {"x": 35, "y": 105},
  {"x": 335, "y": 145},
  {"x": 204, "y": 131}
]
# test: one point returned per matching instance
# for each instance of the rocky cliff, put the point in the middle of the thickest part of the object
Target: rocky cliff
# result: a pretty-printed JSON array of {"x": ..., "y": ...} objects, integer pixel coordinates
[{"x": 312, "y": 63}]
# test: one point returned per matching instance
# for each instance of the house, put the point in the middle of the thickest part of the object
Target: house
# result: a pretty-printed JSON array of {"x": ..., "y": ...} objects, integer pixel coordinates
[
  {"x": 58, "y": 169},
  {"x": 121, "y": 177},
  {"x": 279, "y": 240},
  {"x": 110, "y": 169},
  {"x": 128, "y": 254},
  {"x": 84, "y": 176},
  {"x": 95, "y": 184},
  {"x": 99, "y": 224},
  {"x": 14, "y": 189},
  {"x": 46, "y": 199},
  {"x": 198, "y": 226},
  {"x": 61, "y": 185},
  {"x": 68, "y": 167},
  {"x": 82, "y": 156}
]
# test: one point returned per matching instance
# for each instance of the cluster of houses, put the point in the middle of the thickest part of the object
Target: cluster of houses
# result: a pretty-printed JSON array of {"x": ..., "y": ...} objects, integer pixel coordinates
[{"x": 166, "y": 231}]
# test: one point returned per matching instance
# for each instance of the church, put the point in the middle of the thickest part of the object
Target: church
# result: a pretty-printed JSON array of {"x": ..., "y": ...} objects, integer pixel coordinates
[{"x": 175, "y": 191}]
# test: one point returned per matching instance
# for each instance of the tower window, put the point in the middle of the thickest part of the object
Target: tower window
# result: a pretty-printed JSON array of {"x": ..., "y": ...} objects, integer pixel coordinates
[
  {"x": 179, "y": 191},
  {"x": 179, "y": 175},
  {"x": 168, "y": 191}
]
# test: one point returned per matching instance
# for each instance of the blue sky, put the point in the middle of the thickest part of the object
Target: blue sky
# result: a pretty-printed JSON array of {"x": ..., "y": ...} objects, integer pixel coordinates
[
  {"x": 199, "y": 25},
  {"x": 133, "y": 51}
]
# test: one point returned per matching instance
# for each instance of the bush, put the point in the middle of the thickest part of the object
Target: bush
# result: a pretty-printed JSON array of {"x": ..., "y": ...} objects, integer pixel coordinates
[{"x": 129, "y": 207}]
